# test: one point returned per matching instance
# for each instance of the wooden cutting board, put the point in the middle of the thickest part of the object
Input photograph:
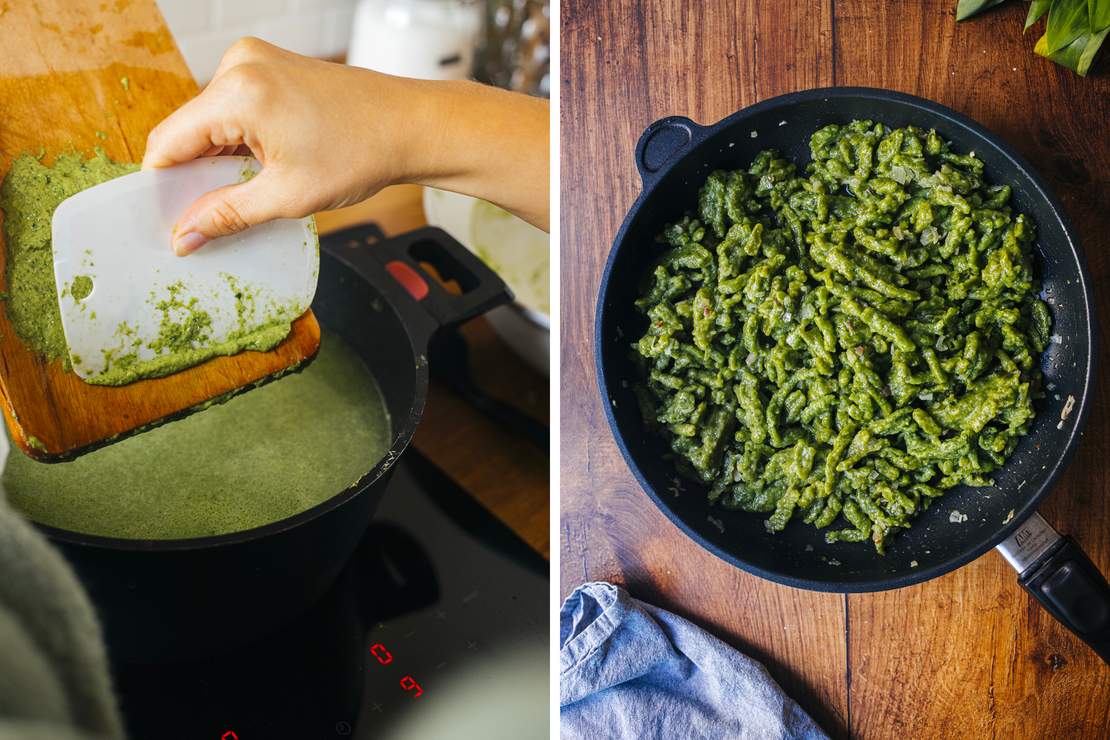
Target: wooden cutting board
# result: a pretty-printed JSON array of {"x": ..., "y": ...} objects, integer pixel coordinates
[{"x": 68, "y": 69}]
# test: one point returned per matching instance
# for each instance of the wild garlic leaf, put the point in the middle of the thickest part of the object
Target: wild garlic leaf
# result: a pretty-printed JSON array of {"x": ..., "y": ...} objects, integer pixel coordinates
[
  {"x": 1094, "y": 43},
  {"x": 968, "y": 8},
  {"x": 1099, "y": 11},
  {"x": 1067, "y": 21},
  {"x": 1037, "y": 8},
  {"x": 1079, "y": 54}
]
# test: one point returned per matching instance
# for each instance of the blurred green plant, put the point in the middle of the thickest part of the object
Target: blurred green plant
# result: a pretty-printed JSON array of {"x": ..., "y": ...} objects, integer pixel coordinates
[{"x": 1074, "y": 32}]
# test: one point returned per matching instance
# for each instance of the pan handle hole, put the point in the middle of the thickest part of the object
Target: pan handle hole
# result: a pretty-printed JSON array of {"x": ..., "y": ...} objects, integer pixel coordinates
[{"x": 443, "y": 265}]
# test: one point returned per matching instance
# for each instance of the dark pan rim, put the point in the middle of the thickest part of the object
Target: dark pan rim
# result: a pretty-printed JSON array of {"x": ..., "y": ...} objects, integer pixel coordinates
[
  {"x": 401, "y": 440},
  {"x": 1039, "y": 190}
]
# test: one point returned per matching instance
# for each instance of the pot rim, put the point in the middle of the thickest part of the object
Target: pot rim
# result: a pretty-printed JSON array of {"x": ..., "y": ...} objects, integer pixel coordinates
[{"x": 401, "y": 440}]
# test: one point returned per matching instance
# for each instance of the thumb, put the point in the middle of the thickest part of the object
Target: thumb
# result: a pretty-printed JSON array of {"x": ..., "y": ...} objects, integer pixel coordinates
[{"x": 225, "y": 211}]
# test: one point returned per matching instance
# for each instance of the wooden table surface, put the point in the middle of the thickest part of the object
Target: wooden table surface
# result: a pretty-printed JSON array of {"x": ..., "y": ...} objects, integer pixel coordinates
[
  {"x": 965, "y": 655},
  {"x": 505, "y": 472}
]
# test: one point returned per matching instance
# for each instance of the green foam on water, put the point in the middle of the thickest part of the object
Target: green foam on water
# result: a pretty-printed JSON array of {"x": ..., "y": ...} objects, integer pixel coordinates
[{"x": 260, "y": 457}]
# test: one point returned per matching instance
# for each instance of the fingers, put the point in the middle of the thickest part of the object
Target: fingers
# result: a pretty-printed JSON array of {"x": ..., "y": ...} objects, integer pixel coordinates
[
  {"x": 241, "y": 150},
  {"x": 207, "y": 125},
  {"x": 229, "y": 210},
  {"x": 245, "y": 50},
  {"x": 191, "y": 131},
  {"x": 216, "y": 121}
]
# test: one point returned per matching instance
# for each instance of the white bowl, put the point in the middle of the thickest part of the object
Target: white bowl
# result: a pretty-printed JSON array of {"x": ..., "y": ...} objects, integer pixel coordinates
[{"x": 518, "y": 252}]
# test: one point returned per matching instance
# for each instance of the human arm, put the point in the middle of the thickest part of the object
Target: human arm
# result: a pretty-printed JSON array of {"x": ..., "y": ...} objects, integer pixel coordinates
[{"x": 329, "y": 135}]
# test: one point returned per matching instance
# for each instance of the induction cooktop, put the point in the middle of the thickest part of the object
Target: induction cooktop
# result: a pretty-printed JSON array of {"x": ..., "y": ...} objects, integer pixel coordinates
[{"x": 437, "y": 628}]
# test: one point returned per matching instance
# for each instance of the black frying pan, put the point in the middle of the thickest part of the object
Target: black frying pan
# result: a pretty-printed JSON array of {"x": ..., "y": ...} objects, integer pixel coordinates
[
  {"x": 674, "y": 155},
  {"x": 170, "y": 599}
]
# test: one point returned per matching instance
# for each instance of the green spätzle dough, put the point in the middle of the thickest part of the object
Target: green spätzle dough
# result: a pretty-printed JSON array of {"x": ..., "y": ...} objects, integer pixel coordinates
[
  {"x": 844, "y": 346},
  {"x": 29, "y": 194}
]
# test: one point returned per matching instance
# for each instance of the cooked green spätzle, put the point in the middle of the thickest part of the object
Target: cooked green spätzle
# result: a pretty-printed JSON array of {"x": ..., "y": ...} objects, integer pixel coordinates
[{"x": 845, "y": 345}]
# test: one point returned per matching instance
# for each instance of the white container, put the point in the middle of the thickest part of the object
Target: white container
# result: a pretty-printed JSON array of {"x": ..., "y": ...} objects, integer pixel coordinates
[
  {"x": 518, "y": 252},
  {"x": 426, "y": 39}
]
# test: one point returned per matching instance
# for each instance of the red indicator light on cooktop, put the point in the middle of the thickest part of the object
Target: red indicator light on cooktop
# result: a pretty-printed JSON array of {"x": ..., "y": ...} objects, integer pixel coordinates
[
  {"x": 408, "y": 683},
  {"x": 384, "y": 656},
  {"x": 229, "y": 735}
]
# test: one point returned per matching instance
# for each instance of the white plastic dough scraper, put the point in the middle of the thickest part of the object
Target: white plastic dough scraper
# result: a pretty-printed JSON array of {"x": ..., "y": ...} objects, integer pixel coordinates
[{"x": 128, "y": 301}]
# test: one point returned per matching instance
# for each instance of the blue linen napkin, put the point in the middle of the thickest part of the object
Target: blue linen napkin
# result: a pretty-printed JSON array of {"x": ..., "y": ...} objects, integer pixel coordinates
[{"x": 631, "y": 670}]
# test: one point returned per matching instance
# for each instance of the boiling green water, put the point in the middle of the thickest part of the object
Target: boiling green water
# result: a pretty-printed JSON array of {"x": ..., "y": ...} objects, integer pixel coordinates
[{"x": 267, "y": 454}]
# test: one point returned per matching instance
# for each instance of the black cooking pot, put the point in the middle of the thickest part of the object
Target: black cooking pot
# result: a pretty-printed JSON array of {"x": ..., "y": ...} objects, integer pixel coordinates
[
  {"x": 170, "y": 599},
  {"x": 674, "y": 156}
]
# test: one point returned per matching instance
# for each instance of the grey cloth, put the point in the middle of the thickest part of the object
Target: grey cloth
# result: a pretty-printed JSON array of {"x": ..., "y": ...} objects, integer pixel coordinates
[
  {"x": 631, "y": 670},
  {"x": 54, "y": 679}
]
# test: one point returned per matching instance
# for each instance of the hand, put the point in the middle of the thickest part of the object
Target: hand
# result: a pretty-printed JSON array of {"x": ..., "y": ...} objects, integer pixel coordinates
[{"x": 329, "y": 135}]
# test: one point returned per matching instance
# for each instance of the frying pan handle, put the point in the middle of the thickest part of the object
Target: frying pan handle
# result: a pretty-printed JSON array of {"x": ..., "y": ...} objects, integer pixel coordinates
[
  {"x": 482, "y": 288},
  {"x": 1073, "y": 590},
  {"x": 662, "y": 142}
]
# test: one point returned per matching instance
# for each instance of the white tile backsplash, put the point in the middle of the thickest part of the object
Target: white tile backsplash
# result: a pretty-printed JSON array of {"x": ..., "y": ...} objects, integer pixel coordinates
[
  {"x": 337, "y": 30},
  {"x": 205, "y": 28},
  {"x": 203, "y": 51},
  {"x": 187, "y": 18},
  {"x": 230, "y": 12},
  {"x": 300, "y": 34},
  {"x": 318, "y": 4}
]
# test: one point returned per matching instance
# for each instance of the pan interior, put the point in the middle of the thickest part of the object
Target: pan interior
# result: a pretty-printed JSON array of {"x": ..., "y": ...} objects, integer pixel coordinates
[
  {"x": 262, "y": 456},
  {"x": 799, "y": 555}
]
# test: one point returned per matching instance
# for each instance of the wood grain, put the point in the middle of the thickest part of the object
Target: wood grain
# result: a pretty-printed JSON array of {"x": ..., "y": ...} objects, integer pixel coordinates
[
  {"x": 999, "y": 665},
  {"x": 625, "y": 64},
  {"x": 964, "y": 656},
  {"x": 61, "y": 69}
]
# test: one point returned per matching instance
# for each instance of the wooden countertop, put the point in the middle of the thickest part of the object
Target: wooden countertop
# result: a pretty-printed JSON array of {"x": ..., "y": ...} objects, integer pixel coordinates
[
  {"x": 965, "y": 655},
  {"x": 507, "y": 474}
]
